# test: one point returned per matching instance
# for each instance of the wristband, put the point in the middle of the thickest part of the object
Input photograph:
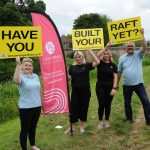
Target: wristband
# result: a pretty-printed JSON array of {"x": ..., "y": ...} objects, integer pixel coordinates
[{"x": 115, "y": 88}]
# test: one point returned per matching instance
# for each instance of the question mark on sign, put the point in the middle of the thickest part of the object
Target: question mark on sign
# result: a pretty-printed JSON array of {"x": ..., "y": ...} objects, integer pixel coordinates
[{"x": 136, "y": 31}]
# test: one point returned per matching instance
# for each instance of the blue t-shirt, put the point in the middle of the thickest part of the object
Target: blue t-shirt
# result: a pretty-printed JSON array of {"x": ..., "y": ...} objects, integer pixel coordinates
[
  {"x": 29, "y": 90},
  {"x": 131, "y": 68}
]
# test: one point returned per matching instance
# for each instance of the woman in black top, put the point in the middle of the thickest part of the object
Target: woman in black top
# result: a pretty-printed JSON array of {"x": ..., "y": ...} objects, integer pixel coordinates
[
  {"x": 106, "y": 84},
  {"x": 81, "y": 93}
]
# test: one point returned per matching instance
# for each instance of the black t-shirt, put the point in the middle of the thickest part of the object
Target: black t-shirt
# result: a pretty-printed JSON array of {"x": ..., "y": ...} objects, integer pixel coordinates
[
  {"x": 105, "y": 73},
  {"x": 80, "y": 74}
]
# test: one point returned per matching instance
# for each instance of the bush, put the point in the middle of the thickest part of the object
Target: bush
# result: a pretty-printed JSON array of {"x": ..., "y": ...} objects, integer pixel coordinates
[
  {"x": 7, "y": 68},
  {"x": 146, "y": 61},
  {"x": 8, "y": 101}
]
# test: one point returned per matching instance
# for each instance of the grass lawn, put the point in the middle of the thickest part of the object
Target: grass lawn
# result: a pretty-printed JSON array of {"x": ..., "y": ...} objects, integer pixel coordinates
[{"x": 120, "y": 136}]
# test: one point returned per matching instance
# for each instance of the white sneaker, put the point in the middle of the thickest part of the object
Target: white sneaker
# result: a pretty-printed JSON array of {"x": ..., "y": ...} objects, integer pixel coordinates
[
  {"x": 107, "y": 125},
  {"x": 34, "y": 148},
  {"x": 100, "y": 125},
  {"x": 82, "y": 130}
]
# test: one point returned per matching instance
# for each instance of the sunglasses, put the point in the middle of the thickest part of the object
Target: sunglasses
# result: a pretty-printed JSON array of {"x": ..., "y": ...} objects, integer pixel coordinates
[{"x": 27, "y": 60}]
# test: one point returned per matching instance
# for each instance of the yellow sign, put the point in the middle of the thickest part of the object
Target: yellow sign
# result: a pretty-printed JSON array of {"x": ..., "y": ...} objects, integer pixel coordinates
[
  {"x": 23, "y": 41},
  {"x": 84, "y": 39},
  {"x": 122, "y": 31}
]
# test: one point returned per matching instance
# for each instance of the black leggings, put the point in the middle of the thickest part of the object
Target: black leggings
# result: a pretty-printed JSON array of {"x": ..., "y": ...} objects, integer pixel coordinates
[
  {"x": 104, "y": 100},
  {"x": 28, "y": 119},
  {"x": 80, "y": 98}
]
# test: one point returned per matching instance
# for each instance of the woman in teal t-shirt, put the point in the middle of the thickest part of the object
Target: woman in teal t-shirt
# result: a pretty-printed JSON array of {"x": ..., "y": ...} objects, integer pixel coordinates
[{"x": 29, "y": 101}]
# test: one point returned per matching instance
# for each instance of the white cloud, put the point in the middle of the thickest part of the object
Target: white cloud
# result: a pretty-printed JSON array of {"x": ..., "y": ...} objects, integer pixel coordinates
[{"x": 63, "y": 13}]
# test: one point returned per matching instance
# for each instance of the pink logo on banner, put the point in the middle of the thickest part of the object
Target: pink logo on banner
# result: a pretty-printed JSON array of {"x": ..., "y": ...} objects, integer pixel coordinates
[{"x": 53, "y": 69}]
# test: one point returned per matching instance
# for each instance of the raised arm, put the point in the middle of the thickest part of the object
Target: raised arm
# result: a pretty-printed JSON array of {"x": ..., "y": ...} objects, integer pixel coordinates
[
  {"x": 101, "y": 52},
  {"x": 144, "y": 42},
  {"x": 17, "y": 71},
  {"x": 95, "y": 59}
]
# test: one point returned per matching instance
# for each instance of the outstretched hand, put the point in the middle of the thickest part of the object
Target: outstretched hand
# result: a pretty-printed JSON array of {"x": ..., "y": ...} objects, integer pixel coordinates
[
  {"x": 89, "y": 50},
  {"x": 108, "y": 44},
  {"x": 142, "y": 31},
  {"x": 18, "y": 60}
]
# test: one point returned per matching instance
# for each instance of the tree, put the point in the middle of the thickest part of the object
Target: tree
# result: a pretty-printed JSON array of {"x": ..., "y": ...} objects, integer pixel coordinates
[
  {"x": 16, "y": 13},
  {"x": 38, "y": 5},
  {"x": 3, "y": 2},
  {"x": 93, "y": 20},
  {"x": 11, "y": 16}
]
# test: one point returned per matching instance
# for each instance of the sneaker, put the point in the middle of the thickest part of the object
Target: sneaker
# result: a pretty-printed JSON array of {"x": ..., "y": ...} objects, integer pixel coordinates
[
  {"x": 69, "y": 131},
  {"x": 34, "y": 148},
  {"x": 100, "y": 125},
  {"x": 82, "y": 130},
  {"x": 129, "y": 121},
  {"x": 107, "y": 125}
]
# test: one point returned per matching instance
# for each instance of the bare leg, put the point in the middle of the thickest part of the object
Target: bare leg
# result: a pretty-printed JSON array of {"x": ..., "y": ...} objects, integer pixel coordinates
[{"x": 82, "y": 123}]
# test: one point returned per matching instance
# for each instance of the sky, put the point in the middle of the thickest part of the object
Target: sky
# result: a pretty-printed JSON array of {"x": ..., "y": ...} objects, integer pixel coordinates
[{"x": 64, "y": 12}]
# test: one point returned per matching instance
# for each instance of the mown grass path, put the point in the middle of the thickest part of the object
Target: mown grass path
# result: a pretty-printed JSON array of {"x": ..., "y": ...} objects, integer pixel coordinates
[{"x": 139, "y": 137}]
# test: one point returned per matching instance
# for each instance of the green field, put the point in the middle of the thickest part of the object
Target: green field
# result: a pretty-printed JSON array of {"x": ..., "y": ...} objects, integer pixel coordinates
[{"x": 120, "y": 136}]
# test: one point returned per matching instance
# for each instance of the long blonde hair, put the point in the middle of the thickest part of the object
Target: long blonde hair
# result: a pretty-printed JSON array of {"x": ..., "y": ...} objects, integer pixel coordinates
[
  {"x": 110, "y": 59},
  {"x": 78, "y": 53}
]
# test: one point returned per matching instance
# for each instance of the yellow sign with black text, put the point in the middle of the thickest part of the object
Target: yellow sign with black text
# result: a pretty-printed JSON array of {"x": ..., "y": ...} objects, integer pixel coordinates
[
  {"x": 84, "y": 39},
  {"x": 23, "y": 41},
  {"x": 122, "y": 31}
]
